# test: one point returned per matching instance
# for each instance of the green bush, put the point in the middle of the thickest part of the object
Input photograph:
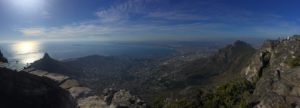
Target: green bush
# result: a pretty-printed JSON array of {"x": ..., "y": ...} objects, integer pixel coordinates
[
  {"x": 231, "y": 95},
  {"x": 234, "y": 94}
]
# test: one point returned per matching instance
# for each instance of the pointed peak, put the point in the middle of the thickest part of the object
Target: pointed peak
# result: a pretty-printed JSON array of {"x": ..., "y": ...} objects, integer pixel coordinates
[
  {"x": 239, "y": 42},
  {"x": 46, "y": 56}
]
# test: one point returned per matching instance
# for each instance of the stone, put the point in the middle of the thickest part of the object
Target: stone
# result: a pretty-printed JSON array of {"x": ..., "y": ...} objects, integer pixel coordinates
[
  {"x": 39, "y": 73},
  {"x": 79, "y": 92},
  {"x": 56, "y": 77},
  {"x": 69, "y": 84},
  {"x": 92, "y": 102}
]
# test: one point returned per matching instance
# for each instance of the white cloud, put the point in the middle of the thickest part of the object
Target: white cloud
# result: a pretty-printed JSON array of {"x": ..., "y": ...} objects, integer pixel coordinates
[
  {"x": 176, "y": 15},
  {"x": 36, "y": 31},
  {"x": 68, "y": 31},
  {"x": 122, "y": 11}
]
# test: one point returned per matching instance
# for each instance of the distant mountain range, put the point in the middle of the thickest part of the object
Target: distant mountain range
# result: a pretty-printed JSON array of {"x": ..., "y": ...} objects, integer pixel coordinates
[{"x": 228, "y": 60}]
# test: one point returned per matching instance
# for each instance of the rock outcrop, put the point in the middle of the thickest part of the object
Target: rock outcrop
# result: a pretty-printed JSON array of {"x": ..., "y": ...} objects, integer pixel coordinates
[
  {"x": 84, "y": 96},
  {"x": 122, "y": 99},
  {"x": 276, "y": 73},
  {"x": 23, "y": 90},
  {"x": 2, "y": 58}
]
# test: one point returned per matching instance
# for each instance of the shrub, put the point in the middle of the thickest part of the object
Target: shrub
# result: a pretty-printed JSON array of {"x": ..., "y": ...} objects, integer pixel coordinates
[{"x": 231, "y": 95}]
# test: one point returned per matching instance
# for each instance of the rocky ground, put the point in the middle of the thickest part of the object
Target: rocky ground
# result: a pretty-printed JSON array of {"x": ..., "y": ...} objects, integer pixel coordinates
[{"x": 275, "y": 71}]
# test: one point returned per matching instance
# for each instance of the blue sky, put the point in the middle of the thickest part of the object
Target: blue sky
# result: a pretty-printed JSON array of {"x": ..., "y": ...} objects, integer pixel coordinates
[{"x": 140, "y": 20}]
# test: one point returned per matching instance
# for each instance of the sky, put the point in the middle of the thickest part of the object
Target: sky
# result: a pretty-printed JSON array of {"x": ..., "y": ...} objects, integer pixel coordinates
[{"x": 142, "y": 20}]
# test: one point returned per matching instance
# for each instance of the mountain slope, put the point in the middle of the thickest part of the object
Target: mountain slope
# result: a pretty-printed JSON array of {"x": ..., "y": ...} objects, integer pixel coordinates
[
  {"x": 227, "y": 62},
  {"x": 52, "y": 65}
]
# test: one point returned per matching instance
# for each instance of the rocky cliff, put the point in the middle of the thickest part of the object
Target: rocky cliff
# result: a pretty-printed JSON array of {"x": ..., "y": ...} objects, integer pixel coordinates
[
  {"x": 23, "y": 90},
  {"x": 275, "y": 72},
  {"x": 84, "y": 97},
  {"x": 2, "y": 58}
]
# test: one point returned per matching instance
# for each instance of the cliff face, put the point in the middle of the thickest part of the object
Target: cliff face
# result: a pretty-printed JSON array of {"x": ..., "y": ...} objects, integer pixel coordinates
[
  {"x": 83, "y": 96},
  {"x": 23, "y": 90},
  {"x": 2, "y": 58},
  {"x": 276, "y": 73}
]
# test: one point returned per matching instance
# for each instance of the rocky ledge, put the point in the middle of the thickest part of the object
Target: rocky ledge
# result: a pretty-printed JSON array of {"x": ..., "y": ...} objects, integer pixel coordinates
[
  {"x": 23, "y": 90},
  {"x": 86, "y": 98}
]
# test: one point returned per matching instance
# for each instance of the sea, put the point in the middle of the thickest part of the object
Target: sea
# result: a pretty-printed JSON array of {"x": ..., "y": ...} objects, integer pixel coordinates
[{"x": 21, "y": 54}]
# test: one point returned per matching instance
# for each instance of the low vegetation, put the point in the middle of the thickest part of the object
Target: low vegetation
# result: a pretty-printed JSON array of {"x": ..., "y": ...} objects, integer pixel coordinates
[
  {"x": 290, "y": 61},
  {"x": 234, "y": 94},
  {"x": 231, "y": 95}
]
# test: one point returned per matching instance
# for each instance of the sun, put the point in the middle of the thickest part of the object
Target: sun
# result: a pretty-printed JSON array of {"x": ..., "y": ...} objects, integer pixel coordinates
[{"x": 25, "y": 5}]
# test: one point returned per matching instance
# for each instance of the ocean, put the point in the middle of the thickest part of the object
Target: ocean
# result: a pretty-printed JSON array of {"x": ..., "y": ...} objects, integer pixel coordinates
[{"x": 21, "y": 54}]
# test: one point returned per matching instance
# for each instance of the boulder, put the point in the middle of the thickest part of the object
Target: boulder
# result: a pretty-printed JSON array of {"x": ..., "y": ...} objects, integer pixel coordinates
[
  {"x": 80, "y": 92},
  {"x": 92, "y": 102},
  {"x": 123, "y": 99}
]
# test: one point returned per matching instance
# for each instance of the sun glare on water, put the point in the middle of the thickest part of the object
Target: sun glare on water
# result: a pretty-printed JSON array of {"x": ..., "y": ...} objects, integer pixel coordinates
[
  {"x": 27, "y": 51},
  {"x": 26, "y": 47}
]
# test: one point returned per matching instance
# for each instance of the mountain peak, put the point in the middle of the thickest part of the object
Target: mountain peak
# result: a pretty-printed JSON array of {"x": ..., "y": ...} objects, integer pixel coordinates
[
  {"x": 239, "y": 42},
  {"x": 46, "y": 56}
]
